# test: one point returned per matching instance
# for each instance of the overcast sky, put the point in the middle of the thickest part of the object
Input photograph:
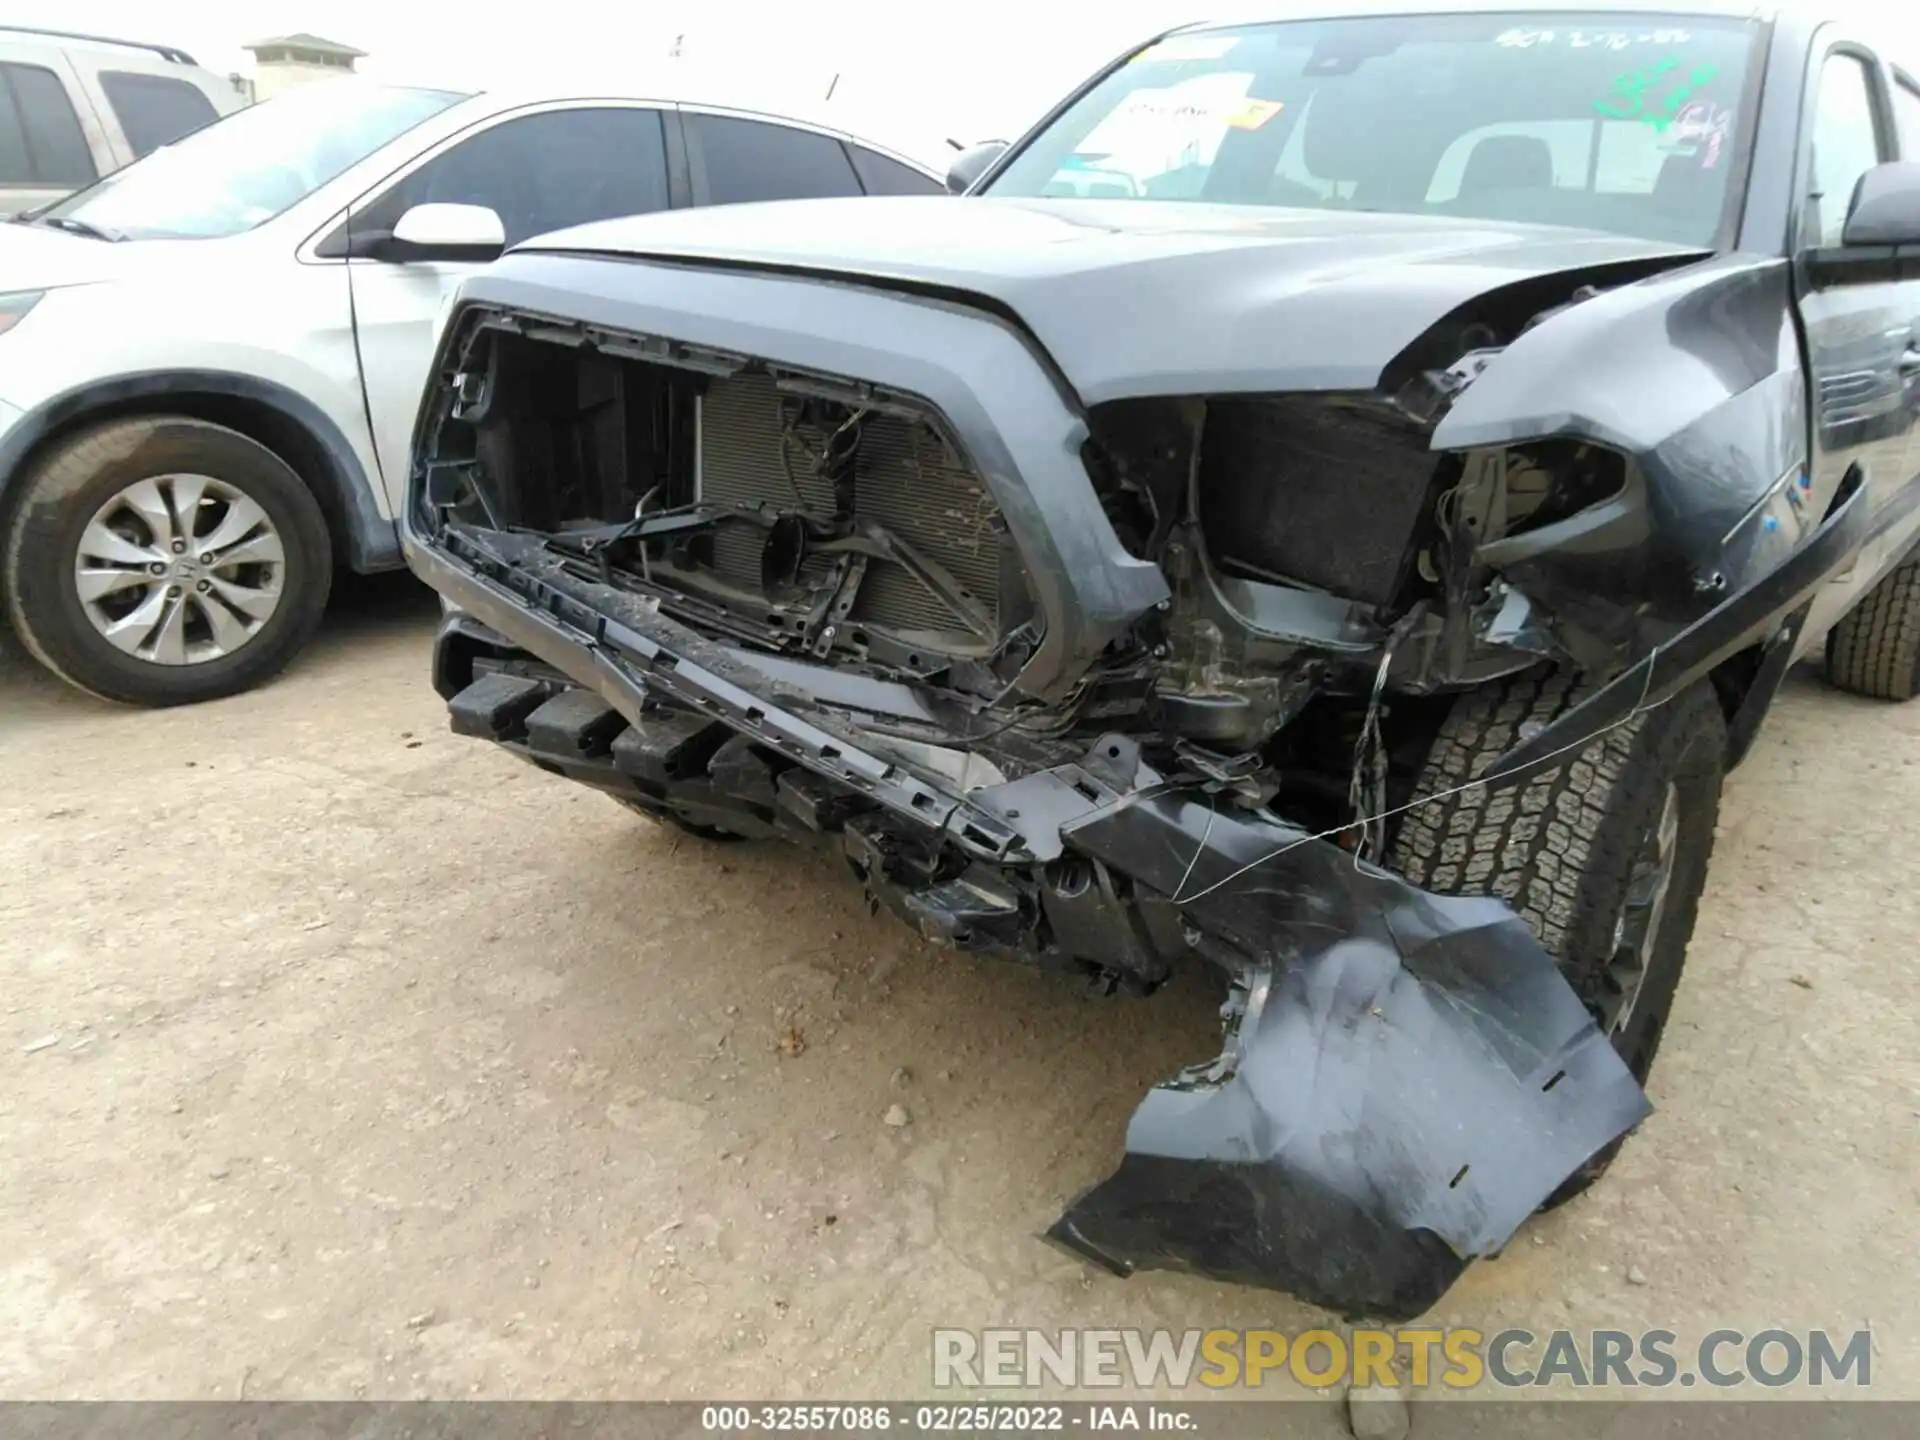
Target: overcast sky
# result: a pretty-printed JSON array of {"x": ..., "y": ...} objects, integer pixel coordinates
[{"x": 911, "y": 73}]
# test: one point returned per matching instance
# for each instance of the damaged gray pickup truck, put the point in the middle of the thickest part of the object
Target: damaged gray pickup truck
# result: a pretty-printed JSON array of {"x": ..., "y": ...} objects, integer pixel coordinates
[{"x": 1330, "y": 502}]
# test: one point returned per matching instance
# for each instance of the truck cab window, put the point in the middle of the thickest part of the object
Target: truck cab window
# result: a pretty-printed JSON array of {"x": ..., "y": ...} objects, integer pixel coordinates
[
  {"x": 1906, "y": 116},
  {"x": 1846, "y": 144}
]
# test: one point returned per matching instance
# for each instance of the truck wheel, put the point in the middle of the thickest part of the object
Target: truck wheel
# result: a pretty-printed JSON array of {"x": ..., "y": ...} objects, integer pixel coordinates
[
  {"x": 1875, "y": 649},
  {"x": 162, "y": 561},
  {"x": 1604, "y": 856}
]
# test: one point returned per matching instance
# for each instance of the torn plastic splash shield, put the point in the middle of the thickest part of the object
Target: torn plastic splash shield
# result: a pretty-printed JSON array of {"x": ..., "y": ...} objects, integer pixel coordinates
[{"x": 1411, "y": 1076}]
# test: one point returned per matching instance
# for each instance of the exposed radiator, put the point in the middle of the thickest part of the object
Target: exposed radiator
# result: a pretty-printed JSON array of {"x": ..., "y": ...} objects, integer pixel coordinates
[{"x": 905, "y": 479}]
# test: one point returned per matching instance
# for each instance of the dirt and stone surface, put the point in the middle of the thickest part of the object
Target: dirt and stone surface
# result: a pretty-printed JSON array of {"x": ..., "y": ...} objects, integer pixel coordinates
[{"x": 343, "y": 1057}]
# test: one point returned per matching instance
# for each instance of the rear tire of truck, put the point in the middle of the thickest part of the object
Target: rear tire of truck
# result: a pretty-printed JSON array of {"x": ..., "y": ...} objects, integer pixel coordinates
[
  {"x": 163, "y": 561},
  {"x": 1875, "y": 648},
  {"x": 1603, "y": 856}
]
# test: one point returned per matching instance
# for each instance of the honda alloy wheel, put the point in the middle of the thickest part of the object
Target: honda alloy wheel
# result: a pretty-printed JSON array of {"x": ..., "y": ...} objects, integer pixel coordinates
[
  {"x": 180, "y": 569},
  {"x": 162, "y": 560}
]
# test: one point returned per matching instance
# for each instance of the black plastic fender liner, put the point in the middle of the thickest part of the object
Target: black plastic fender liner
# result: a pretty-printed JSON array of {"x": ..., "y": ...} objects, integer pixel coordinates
[{"x": 1410, "y": 1079}]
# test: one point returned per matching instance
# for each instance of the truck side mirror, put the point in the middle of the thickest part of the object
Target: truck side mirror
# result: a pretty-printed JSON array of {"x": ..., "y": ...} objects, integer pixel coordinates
[
  {"x": 1886, "y": 206},
  {"x": 970, "y": 164}
]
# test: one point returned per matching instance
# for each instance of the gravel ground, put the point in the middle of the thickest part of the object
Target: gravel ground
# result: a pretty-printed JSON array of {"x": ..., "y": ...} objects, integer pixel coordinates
[{"x": 345, "y": 1057}]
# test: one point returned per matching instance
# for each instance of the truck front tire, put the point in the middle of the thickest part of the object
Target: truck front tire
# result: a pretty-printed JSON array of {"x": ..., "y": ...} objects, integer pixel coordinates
[{"x": 1604, "y": 856}]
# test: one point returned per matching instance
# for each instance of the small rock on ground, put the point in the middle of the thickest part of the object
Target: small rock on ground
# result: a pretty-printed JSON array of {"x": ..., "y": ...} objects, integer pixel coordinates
[
  {"x": 1375, "y": 1412},
  {"x": 897, "y": 1116}
]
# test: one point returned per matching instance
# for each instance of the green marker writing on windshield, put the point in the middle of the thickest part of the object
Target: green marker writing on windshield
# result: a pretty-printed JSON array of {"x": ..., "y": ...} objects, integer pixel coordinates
[{"x": 1629, "y": 97}]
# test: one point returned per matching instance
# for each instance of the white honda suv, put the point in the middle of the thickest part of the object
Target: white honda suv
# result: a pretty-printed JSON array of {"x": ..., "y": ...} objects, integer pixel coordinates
[{"x": 210, "y": 360}]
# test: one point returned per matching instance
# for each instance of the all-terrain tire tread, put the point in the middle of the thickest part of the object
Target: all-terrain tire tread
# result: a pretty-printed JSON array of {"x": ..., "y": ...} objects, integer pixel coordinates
[
  {"x": 1529, "y": 844},
  {"x": 1561, "y": 847},
  {"x": 1875, "y": 648}
]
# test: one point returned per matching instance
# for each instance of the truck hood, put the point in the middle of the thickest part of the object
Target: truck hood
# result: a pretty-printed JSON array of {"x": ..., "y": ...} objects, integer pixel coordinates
[{"x": 1134, "y": 297}]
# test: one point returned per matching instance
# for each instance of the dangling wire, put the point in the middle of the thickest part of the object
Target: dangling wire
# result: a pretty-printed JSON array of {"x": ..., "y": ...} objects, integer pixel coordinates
[
  {"x": 1367, "y": 782},
  {"x": 787, "y": 439},
  {"x": 1640, "y": 707},
  {"x": 1213, "y": 814},
  {"x": 817, "y": 461}
]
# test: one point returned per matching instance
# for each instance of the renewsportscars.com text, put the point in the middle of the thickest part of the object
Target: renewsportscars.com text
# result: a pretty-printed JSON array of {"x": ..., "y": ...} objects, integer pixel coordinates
[{"x": 1457, "y": 1358}]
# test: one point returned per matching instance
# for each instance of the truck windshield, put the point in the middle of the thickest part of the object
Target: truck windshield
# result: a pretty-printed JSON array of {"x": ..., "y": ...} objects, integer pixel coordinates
[
  {"x": 1629, "y": 123},
  {"x": 244, "y": 170}
]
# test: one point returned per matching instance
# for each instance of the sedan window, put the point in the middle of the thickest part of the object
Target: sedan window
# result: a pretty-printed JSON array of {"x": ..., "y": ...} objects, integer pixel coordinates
[
  {"x": 753, "y": 160},
  {"x": 155, "y": 110},
  {"x": 881, "y": 176},
  {"x": 251, "y": 166},
  {"x": 40, "y": 137},
  {"x": 544, "y": 172}
]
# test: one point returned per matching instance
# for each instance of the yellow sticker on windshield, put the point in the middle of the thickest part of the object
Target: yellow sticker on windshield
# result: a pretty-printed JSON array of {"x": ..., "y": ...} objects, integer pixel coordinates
[{"x": 1252, "y": 114}]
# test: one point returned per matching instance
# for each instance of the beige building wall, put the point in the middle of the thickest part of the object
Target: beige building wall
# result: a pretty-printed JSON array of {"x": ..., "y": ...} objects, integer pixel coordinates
[
  {"x": 285, "y": 62},
  {"x": 279, "y": 76}
]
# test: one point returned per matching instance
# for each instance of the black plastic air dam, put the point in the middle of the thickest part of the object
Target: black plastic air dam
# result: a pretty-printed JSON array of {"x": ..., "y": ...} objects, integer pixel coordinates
[{"x": 1412, "y": 1077}]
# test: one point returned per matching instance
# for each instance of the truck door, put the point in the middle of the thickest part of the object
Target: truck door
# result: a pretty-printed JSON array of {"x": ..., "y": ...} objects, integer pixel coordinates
[
  {"x": 1905, "y": 93},
  {"x": 1859, "y": 330}
]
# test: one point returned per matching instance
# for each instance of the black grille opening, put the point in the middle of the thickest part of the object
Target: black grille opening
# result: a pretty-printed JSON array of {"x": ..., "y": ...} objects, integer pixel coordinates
[
  {"x": 904, "y": 478},
  {"x": 810, "y": 508}
]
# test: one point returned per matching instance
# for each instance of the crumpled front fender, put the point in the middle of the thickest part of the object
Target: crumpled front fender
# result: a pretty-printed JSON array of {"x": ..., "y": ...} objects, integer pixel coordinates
[{"x": 1409, "y": 1079}]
